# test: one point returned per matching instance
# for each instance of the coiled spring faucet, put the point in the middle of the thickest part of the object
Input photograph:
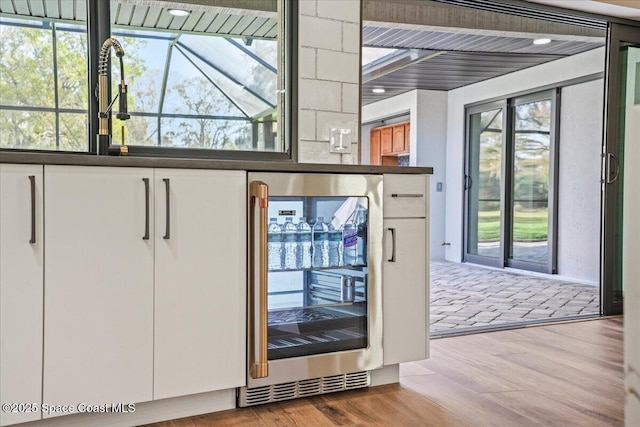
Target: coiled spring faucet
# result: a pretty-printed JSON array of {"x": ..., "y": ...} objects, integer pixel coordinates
[{"x": 104, "y": 107}]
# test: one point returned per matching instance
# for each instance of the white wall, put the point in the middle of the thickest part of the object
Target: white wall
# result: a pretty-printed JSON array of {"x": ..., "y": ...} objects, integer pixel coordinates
[
  {"x": 329, "y": 77},
  {"x": 580, "y": 144},
  {"x": 428, "y": 117},
  {"x": 568, "y": 68}
]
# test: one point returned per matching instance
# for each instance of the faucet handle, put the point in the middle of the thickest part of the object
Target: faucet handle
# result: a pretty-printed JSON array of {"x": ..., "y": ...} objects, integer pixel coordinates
[{"x": 122, "y": 103}]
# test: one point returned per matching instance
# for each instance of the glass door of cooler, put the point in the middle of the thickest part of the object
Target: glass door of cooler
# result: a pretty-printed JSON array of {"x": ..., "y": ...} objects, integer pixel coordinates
[{"x": 317, "y": 275}]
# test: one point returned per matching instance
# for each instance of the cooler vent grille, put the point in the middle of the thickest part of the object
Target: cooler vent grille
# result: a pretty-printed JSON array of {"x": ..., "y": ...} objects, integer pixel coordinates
[{"x": 310, "y": 387}]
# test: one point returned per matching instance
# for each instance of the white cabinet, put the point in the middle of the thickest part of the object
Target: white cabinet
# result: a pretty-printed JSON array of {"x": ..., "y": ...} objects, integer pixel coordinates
[
  {"x": 200, "y": 281},
  {"x": 631, "y": 267},
  {"x": 405, "y": 270},
  {"x": 21, "y": 289},
  {"x": 98, "y": 317}
]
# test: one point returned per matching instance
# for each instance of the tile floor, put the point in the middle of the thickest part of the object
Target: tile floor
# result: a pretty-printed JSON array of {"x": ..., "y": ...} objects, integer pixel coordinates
[{"x": 466, "y": 296}]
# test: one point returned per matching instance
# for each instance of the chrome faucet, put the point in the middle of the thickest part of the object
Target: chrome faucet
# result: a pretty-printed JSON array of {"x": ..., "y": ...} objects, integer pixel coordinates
[{"x": 104, "y": 138}]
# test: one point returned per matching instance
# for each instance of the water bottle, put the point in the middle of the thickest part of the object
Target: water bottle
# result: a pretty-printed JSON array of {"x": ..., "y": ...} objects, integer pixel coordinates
[
  {"x": 350, "y": 243},
  {"x": 320, "y": 243},
  {"x": 304, "y": 244},
  {"x": 360, "y": 221},
  {"x": 274, "y": 245},
  {"x": 289, "y": 244},
  {"x": 335, "y": 245}
]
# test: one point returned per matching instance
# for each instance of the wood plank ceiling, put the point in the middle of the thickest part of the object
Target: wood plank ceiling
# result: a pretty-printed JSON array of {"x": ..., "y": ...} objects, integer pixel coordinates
[{"x": 459, "y": 58}]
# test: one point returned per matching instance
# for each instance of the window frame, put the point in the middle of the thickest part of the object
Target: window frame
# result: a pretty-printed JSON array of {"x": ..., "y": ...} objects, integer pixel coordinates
[{"x": 98, "y": 29}]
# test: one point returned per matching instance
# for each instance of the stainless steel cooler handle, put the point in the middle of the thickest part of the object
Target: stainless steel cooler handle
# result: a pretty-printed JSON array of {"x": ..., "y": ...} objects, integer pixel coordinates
[{"x": 258, "y": 358}]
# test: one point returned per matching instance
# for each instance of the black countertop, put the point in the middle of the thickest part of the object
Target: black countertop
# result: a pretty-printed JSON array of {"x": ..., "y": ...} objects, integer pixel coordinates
[{"x": 180, "y": 163}]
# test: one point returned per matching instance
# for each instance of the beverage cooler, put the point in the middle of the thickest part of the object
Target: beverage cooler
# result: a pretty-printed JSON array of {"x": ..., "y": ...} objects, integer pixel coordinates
[{"x": 315, "y": 261}]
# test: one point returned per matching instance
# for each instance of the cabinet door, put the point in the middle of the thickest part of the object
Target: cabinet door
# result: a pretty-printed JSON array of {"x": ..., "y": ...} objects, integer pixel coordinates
[
  {"x": 98, "y": 332},
  {"x": 405, "y": 291},
  {"x": 21, "y": 289},
  {"x": 200, "y": 281},
  {"x": 386, "y": 140},
  {"x": 407, "y": 134},
  {"x": 375, "y": 147},
  {"x": 398, "y": 138}
]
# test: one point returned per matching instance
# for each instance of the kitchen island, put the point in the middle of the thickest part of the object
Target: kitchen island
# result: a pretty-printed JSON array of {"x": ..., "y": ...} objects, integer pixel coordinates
[{"x": 130, "y": 278}]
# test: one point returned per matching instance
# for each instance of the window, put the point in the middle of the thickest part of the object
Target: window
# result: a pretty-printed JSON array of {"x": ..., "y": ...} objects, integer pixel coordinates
[
  {"x": 43, "y": 84},
  {"x": 211, "y": 78}
]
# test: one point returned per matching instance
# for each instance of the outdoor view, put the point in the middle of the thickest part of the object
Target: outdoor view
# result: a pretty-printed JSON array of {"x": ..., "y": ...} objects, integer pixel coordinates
[
  {"x": 184, "y": 90},
  {"x": 531, "y": 152},
  {"x": 531, "y": 181},
  {"x": 485, "y": 218}
]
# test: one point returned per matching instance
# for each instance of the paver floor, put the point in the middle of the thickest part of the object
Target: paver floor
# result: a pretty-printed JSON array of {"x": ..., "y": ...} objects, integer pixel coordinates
[{"x": 466, "y": 296}]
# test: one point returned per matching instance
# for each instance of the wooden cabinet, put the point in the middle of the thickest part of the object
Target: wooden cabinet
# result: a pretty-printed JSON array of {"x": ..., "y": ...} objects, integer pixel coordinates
[
  {"x": 375, "y": 149},
  {"x": 387, "y": 142},
  {"x": 200, "y": 281},
  {"x": 98, "y": 306},
  {"x": 405, "y": 271},
  {"x": 21, "y": 289},
  {"x": 398, "y": 138}
]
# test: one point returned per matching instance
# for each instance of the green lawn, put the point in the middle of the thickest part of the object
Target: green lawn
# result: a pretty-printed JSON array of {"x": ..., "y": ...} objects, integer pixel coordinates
[{"x": 528, "y": 225}]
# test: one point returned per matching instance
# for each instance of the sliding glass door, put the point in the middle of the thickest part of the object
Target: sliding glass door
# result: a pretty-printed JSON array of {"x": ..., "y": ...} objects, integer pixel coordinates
[
  {"x": 484, "y": 184},
  {"x": 532, "y": 219},
  {"x": 623, "y": 90},
  {"x": 510, "y": 183}
]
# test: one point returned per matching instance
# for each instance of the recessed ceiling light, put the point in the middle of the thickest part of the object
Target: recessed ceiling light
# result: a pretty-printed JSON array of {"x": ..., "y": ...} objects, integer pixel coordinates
[
  {"x": 378, "y": 90},
  {"x": 179, "y": 12},
  {"x": 541, "y": 41}
]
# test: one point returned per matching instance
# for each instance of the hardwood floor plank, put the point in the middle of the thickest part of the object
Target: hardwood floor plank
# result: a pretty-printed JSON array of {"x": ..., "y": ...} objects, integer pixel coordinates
[{"x": 554, "y": 375}]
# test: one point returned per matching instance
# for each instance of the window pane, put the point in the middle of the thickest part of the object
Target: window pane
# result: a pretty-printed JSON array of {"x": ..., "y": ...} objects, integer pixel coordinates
[
  {"x": 73, "y": 132},
  {"x": 211, "y": 77},
  {"x": 531, "y": 182},
  {"x": 28, "y": 129},
  {"x": 72, "y": 67},
  {"x": 206, "y": 133},
  {"x": 36, "y": 112},
  {"x": 26, "y": 63}
]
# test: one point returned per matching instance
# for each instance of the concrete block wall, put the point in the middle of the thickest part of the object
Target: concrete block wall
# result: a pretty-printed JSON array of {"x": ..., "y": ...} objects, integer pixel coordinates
[{"x": 329, "y": 77}]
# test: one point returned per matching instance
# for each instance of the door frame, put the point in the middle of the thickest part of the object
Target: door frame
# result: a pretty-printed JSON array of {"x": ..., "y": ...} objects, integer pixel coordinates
[
  {"x": 612, "y": 185},
  {"x": 506, "y": 183}
]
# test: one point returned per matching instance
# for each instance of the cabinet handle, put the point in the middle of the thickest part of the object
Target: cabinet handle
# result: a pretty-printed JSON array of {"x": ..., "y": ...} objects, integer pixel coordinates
[
  {"x": 167, "y": 231},
  {"x": 407, "y": 195},
  {"x": 393, "y": 245},
  {"x": 258, "y": 357},
  {"x": 146, "y": 209},
  {"x": 32, "y": 180}
]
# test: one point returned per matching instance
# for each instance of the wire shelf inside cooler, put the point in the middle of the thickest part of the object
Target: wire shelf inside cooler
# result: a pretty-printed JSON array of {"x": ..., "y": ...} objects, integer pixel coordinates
[{"x": 305, "y": 331}]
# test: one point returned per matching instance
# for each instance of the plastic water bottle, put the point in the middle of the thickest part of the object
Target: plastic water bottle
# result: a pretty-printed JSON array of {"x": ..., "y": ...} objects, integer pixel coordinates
[
  {"x": 350, "y": 243},
  {"x": 274, "y": 245},
  {"x": 289, "y": 244},
  {"x": 320, "y": 243},
  {"x": 335, "y": 245},
  {"x": 304, "y": 244}
]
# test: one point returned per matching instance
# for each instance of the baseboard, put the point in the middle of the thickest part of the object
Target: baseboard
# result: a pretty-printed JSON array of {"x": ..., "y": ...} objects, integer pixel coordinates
[{"x": 386, "y": 375}]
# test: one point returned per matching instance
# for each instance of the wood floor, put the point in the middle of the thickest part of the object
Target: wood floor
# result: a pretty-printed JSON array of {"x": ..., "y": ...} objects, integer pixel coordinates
[{"x": 561, "y": 375}]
